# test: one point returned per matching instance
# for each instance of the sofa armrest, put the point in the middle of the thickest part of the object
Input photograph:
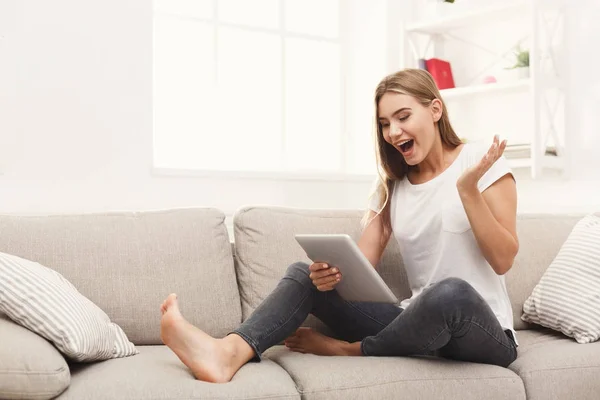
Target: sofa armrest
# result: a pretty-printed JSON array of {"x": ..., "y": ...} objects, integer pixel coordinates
[{"x": 30, "y": 366}]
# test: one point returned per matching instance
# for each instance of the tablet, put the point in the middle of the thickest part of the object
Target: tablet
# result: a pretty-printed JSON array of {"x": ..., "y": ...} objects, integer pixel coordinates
[{"x": 360, "y": 281}]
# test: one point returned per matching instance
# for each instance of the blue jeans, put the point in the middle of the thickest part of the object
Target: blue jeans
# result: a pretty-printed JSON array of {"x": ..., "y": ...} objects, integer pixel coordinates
[{"x": 449, "y": 319}]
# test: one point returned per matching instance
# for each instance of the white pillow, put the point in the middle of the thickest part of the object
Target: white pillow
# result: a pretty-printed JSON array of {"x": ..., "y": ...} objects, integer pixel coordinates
[
  {"x": 567, "y": 297},
  {"x": 43, "y": 301}
]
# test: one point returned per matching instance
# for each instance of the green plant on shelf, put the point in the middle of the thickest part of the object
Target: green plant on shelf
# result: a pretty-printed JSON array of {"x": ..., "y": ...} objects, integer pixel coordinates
[
  {"x": 448, "y": 1},
  {"x": 522, "y": 59}
]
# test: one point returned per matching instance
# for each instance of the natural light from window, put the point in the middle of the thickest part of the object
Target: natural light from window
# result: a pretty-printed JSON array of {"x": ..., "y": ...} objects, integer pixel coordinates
[{"x": 266, "y": 85}]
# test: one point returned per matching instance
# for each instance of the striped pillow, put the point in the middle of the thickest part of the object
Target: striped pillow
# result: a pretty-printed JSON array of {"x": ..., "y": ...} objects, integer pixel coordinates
[
  {"x": 43, "y": 301},
  {"x": 566, "y": 298}
]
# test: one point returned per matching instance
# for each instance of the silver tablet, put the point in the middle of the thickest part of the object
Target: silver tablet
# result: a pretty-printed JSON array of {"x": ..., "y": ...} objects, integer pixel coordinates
[{"x": 360, "y": 281}]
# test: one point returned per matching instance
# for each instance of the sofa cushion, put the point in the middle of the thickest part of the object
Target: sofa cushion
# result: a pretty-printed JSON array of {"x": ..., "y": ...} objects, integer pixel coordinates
[
  {"x": 265, "y": 247},
  {"x": 395, "y": 377},
  {"x": 43, "y": 301},
  {"x": 156, "y": 373},
  {"x": 540, "y": 238},
  {"x": 554, "y": 366},
  {"x": 128, "y": 262},
  {"x": 30, "y": 367},
  {"x": 566, "y": 298}
]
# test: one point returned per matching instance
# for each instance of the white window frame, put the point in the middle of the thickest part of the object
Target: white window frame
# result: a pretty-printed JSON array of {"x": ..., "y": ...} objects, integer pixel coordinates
[{"x": 346, "y": 137}]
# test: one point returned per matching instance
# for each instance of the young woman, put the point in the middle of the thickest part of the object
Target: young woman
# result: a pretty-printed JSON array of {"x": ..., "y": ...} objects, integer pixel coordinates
[{"x": 452, "y": 209}]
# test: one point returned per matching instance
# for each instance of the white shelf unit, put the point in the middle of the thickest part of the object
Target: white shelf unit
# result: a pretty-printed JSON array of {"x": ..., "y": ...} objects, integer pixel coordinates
[
  {"x": 544, "y": 52},
  {"x": 523, "y": 85},
  {"x": 470, "y": 17}
]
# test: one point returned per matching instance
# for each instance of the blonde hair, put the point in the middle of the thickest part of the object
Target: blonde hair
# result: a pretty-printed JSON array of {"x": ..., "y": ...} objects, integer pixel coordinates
[{"x": 391, "y": 166}]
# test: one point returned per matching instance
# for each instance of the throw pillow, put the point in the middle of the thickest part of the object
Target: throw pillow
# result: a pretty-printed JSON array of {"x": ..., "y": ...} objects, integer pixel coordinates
[
  {"x": 566, "y": 297},
  {"x": 30, "y": 366},
  {"x": 46, "y": 303}
]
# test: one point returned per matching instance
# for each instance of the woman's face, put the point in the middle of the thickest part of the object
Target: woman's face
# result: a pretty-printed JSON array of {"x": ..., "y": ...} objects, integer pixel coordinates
[{"x": 408, "y": 125}]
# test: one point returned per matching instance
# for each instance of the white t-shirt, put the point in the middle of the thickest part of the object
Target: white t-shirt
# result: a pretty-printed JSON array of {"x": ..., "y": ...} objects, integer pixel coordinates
[{"x": 435, "y": 237}]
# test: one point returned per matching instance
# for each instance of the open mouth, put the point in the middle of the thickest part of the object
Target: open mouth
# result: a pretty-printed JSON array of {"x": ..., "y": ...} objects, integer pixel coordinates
[{"x": 406, "y": 146}]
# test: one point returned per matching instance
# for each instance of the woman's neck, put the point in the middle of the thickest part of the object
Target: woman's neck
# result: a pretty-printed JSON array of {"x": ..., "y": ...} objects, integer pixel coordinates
[{"x": 440, "y": 157}]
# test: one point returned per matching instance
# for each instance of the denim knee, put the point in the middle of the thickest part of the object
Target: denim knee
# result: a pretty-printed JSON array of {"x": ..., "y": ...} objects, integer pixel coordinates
[
  {"x": 453, "y": 292},
  {"x": 299, "y": 272}
]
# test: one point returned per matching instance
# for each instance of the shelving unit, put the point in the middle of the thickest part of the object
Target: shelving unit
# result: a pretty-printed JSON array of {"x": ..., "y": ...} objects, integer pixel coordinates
[
  {"x": 426, "y": 38},
  {"x": 473, "y": 17},
  {"x": 519, "y": 162},
  {"x": 523, "y": 85}
]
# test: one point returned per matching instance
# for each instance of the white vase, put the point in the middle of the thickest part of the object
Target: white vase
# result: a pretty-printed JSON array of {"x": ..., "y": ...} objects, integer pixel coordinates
[
  {"x": 434, "y": 9},
  {"x": 523, "y": 72}
]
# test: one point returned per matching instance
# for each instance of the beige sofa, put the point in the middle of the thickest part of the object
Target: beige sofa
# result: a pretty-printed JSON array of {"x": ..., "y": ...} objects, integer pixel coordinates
[{"x": 127, "y": 263}]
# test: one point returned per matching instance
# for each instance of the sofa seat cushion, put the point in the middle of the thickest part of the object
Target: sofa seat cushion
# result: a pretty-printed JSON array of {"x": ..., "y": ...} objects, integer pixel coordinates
[
  {"x": 554, "y": 366},
  {"x": 320, "y": 377},
  {"x": 30, "y": 367},
  {"x": 157, "y": 373}
]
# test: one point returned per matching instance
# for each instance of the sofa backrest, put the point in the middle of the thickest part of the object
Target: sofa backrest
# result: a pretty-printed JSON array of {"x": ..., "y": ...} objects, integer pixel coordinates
[
  {"x": 128, "y": 262},
  {"x": 265, "y": 246},
  {"x": 540, "y": 239}
]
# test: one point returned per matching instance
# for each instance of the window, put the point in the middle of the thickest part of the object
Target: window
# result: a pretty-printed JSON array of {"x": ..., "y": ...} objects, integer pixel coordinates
[{"x": 264, "y": 85}]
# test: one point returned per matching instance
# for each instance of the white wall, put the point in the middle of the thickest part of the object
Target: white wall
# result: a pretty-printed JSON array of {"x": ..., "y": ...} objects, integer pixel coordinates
[
  {"x": 584, "y": 86},
  {"x": 76, "y": 119},
  {"x": 76, "y": 82}
]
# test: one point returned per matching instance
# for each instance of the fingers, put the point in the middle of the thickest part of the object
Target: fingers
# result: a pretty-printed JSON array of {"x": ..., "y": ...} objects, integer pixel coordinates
[
  {"x": 318, "y": 266},
  {"x": 323, "y": 272},
  {"x": 495, "y": 151},
  {"x": 328, "y": 286},
  {"x": 501, "y": 148},
  {"x": 324, "y": 277},
  {"x": 328, "y": 280}
]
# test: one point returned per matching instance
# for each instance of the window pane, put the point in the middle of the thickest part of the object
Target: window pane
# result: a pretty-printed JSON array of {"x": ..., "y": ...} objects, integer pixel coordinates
[
  {"x": 312, "y": 96},
  {"x": 260, "y": 13},
  {"x": 249, "y": 100},
  {"x": 183, "y": 92},
  {"x": 367, "y": 66},
  {"x": 315, "y": 17},
  {"x": 186, "y": 8}
]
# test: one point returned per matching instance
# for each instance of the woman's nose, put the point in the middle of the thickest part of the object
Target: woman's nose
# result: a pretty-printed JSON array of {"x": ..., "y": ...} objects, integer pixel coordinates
[{"x": 395, "y": 130}]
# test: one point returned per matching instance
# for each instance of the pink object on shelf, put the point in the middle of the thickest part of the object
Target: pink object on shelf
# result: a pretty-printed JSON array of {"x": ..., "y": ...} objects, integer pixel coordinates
[{"x": 489, "y": 79}]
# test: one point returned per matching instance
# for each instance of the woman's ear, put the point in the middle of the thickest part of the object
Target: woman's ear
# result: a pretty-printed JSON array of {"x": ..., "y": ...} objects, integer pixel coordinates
[{"x": 436, "y": 109}]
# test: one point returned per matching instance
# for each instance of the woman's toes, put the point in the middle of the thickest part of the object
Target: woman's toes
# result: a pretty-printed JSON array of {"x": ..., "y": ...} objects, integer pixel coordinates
[{"x": 303, "y": 331}]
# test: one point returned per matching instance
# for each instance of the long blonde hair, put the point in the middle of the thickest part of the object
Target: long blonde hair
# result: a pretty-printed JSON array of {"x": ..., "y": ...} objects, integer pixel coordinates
[{"x": 391, "y": 166}]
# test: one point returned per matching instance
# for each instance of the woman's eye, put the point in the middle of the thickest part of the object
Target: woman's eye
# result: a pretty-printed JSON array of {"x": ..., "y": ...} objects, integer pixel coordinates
[
  {"x": 403, "y": 118},
  {"x": 385, "y": 125}
]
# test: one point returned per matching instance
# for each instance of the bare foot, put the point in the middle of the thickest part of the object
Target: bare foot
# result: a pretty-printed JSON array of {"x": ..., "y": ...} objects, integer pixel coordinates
[
  {"x": 307, "y": 340},
  {"x": 210, "y": 359}
]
